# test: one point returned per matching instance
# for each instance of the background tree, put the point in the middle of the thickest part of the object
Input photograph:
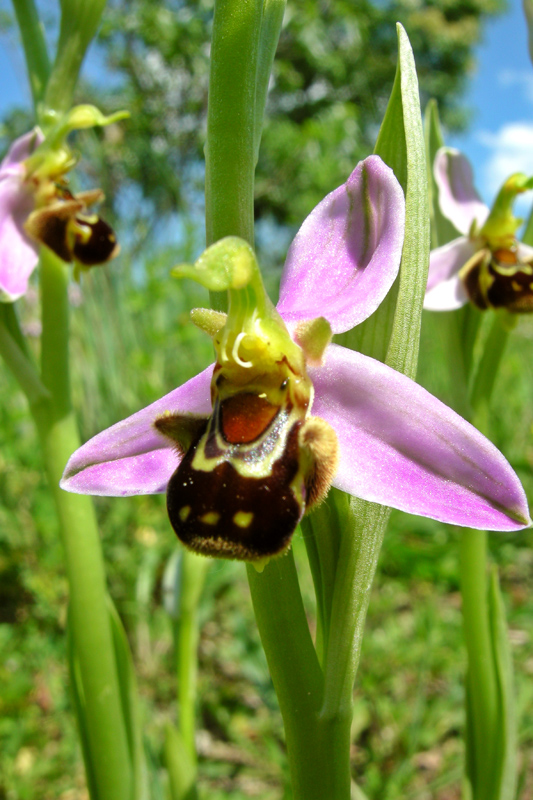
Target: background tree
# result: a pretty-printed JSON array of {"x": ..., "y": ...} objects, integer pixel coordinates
[{"x": 332, "y": 77}]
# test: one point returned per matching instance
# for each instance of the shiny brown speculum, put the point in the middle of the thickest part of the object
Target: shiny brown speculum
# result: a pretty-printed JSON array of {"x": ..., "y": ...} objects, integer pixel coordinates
[
  {"x": 226, "y": 513},
  {"x": 498, "y": 279},
  {"x": 247, "y": 476}
]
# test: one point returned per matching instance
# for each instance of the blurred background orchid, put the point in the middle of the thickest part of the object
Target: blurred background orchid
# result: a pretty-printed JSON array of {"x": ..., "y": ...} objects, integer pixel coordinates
[
  {"x": 486, "y": 264},
  {"x": 18, "y": 253}
]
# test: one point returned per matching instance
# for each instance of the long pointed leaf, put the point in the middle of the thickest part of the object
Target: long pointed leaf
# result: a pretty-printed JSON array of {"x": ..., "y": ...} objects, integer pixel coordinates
[
  {"x": 442, "y": 230},
  {"x": 507, "y": 738},
  {"x": 401, "y": 145},
  {"x": 181, "y": 770},
  {"x": 78, "y": 699},
  {"x": 128, "y": 697}
]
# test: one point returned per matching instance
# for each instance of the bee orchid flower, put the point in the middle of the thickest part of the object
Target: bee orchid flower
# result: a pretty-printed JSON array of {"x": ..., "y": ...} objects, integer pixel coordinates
[
  {"x": 244, "y": 448},
  {"x": 36, "y": 206},
  {"x": 486, "y": 265}
]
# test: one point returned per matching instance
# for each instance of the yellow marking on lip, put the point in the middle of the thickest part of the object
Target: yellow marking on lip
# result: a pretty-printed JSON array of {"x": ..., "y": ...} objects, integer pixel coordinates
[
  {"x": 184, "y": 513},
  {"x": 210, "y": 518},
  {"x": 243, "y": 518},
  {"x": 516, "y": 286}
]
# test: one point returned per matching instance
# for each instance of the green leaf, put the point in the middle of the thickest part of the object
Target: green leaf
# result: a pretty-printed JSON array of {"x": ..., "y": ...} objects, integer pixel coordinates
[
  {"x": 401, "y": 145},
  {"x": 501, "y": 737},
  {"x": 442, "y": 230},
  {"x": 79, "y": 23},
  {"x": 392, "y": 333},
  {"x": 35, "y": 49},
  {"x": 180, "y": 767},
  {"x": 273, "y": 11},
  {"x": 506, "y": 747},
  {"x": 407, "y": 158},
  {"x": 78, "y": 698},
  {"x": 128, "y": 697}
]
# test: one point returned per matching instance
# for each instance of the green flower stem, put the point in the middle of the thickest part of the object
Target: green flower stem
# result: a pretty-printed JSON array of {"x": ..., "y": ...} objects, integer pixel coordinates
[
  {"x": 316, "y": 742},
  {"x": 34, "y": 44},
  {"x": 481, "y": 679},
  {"x": 323, "y": 574},
  {"x": 470, "y": 319},
  {"x": 186, "y": 634},
  {"x": 231, "y": 117},
  {"x": 456, "y": 353},
  {"x": 319, "y": 765},
  {"x": 79, "y": 23},
  {"x": 487, "y": 370},
  {"x": 483, "y": 700},
  {"x": 89, "y": 613},
  {"x": 180, "y": 770},
  {"x": 490, "y": 730}
]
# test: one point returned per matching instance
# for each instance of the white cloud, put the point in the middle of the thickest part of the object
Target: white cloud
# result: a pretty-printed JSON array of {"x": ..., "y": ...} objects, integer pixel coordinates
[{"x": 510, "y": 150}]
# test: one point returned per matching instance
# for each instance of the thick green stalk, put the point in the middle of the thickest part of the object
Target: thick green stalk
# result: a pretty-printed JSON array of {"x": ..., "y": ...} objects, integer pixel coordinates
[
  {"x": 231, "y": 118},
  {"x": 79, "y": 23},
  {"x": 317, "y": 745},
  {"x": 481, "y": 677},
  {"x": 89, "y": 615},
  {"x": 489, "y": 705},
  {"x": 35, "y": 50},
  {"x": 487, "y": 370},
  {"x": 319, "y": 758}
]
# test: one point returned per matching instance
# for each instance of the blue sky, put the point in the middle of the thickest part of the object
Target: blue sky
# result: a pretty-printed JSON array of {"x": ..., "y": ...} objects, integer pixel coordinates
[
  {"x": 500, "y": 139},
  {"x": 14, "y": 84}
]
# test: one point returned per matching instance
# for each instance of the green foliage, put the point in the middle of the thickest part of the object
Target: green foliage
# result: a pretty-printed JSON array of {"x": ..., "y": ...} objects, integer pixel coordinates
[{"x": 332, "y": 77}]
